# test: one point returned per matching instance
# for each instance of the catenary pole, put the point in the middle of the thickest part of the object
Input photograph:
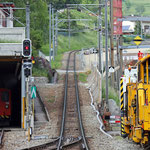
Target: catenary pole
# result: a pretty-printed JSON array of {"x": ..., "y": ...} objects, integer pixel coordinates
[
  {"x": 56, "y": 32},
  {"x": 28, "y": 21},
  {"x": 100, "y": 38},
  {"x": 112, "y": 40},
  {"x": 50, "y": 33},
  {"x": 27, "y": 79},
  {"x": 53, "y": 33},
  {"x": 106, "y": 50}
]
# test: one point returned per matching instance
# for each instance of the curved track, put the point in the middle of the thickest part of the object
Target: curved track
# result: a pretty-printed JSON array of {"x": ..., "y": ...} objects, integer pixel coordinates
[{"x": 71, "y": 133}]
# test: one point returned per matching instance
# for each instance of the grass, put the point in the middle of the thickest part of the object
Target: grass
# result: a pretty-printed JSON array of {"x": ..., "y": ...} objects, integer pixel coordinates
[
  {"x": 134, "y": 4},
  {"x": 38, "y": 72},
  {"x": 52, "y": 100},
  {"x": 78, "y": 41},
  {"x": 83, "y": 76}
]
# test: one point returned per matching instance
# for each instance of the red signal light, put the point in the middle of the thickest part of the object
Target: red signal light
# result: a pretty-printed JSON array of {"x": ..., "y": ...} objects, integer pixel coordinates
[
  {"x": 26, "y": 52},
  {"x": 26, "y": 47}
]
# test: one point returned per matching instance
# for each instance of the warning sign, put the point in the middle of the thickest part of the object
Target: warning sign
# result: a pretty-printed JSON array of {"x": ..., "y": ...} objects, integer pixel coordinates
[{"x": 138, "y": 40}]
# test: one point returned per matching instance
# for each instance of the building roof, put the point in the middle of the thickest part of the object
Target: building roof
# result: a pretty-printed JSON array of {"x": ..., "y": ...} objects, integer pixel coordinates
[{"x": 7, "y": 4}]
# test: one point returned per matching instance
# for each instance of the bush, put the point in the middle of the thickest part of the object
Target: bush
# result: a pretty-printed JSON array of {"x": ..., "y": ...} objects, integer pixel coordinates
[
  {"x": 113, "y": 94},
  {"x": 128, "y": 39},
  {"x": 147, "y": 36}
]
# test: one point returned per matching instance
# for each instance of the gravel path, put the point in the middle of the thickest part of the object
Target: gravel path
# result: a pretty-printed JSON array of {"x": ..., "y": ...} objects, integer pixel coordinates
[{"x": 97, "y": 140}]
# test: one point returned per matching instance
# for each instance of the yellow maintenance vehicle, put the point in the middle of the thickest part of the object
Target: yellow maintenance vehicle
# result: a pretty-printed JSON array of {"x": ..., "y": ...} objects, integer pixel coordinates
[{"x": 135, "y": 102}]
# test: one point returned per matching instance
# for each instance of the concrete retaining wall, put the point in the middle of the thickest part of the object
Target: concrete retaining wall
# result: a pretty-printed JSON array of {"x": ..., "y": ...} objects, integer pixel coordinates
[
  {"x": 16, "y": 34},
  {"x": 10, "y": 49}
]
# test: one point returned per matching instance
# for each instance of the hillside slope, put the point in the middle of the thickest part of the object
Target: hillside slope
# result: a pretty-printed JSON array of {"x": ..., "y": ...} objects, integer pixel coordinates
[{"x": 136, "y": 7}]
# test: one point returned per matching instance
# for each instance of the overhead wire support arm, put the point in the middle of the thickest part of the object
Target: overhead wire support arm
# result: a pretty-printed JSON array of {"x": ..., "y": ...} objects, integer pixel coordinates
[
  {"x": 89, "y": 10},
  {"x": 65, "y": 20},
  {"x": 85, "y": 5},
  {"x": 12, "y": 8},
  {"x": 14, "y": 17}
]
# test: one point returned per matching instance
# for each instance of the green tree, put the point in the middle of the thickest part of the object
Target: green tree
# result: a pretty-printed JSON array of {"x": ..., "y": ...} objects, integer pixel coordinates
[
  {"x": 137, "y": 28},
  {"x": 128, "y": 4}
]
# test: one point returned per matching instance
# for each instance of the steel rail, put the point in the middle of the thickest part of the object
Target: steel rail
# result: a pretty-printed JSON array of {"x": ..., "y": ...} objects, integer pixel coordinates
[
  {"x": 42, "y": 146},
  {"x": 65, "y": 102},
  {"x": 1, "y": 137},
  {"x": 78, "y": 105}
]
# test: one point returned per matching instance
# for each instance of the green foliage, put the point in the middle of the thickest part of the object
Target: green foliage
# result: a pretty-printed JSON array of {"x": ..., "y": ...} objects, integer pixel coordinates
[
  {"x": 128, "y": 4},
  {"x": 147, "y": 36},
  {"x": 38, "y": 72},
  {"x": 59, "y": 4},
  {"x": 136, "y": 7},
  {"x": 36, "y": 36},
  {"x": 83, "y": 77},
  {"x": 52, "y": 100},
  {"x": 39, "y": 20},
  {"x": 128, "y": 39},
  {"x": 137, "y": 28},
  {"x": 113, "y": 94},
  {"x": 78, "y": 41}
]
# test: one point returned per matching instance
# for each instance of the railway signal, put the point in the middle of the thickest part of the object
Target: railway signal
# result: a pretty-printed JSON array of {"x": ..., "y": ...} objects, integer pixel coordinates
[
  {"x": 26, "y": 48},
  {"x": 27, "y": 65}
]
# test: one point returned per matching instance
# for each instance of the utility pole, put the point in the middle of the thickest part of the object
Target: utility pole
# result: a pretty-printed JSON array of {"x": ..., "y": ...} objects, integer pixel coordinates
[
  {"x": 118, "y": 62},
  {"x": 112, "y": 40},
  {"x": 121, "y": 57},
  {"x": 141, "y": 30},
  {"x": 28, "y": 21},
  {"x": 100, "y": 37},
  {"x": 50, "y": 28},
  {"x": 56, "y": 32},
  {"x": 27, "y": 79},
  {"x": 106, "y": 49},
  {"x": 28, "y": 107},
  {"x": 53, "y": 34}
]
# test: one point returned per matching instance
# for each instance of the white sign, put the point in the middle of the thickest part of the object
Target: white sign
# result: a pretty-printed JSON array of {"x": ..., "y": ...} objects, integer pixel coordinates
[{"x": 111, "y": 69}]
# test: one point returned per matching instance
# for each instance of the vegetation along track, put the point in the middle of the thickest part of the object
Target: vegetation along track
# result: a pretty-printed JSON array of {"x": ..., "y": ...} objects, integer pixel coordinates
[
  {"x": 71, "y": 132},
  {"x": 1, "y": 137}
]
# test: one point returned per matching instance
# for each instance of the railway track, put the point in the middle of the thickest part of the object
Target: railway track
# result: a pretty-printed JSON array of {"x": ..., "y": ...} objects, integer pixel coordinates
[
  {"x": 1, "y": 137},
  {"x": 71, "y": 132}
]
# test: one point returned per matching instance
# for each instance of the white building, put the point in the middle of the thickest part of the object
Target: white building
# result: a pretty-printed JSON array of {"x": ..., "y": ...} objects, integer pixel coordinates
[
  {"x": 128, "y": 27},
  {"x": 145, "y": 27}
]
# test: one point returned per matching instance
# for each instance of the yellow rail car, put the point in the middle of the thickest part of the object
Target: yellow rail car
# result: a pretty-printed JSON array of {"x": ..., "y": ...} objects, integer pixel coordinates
[{"x": 135, "y": 105}]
